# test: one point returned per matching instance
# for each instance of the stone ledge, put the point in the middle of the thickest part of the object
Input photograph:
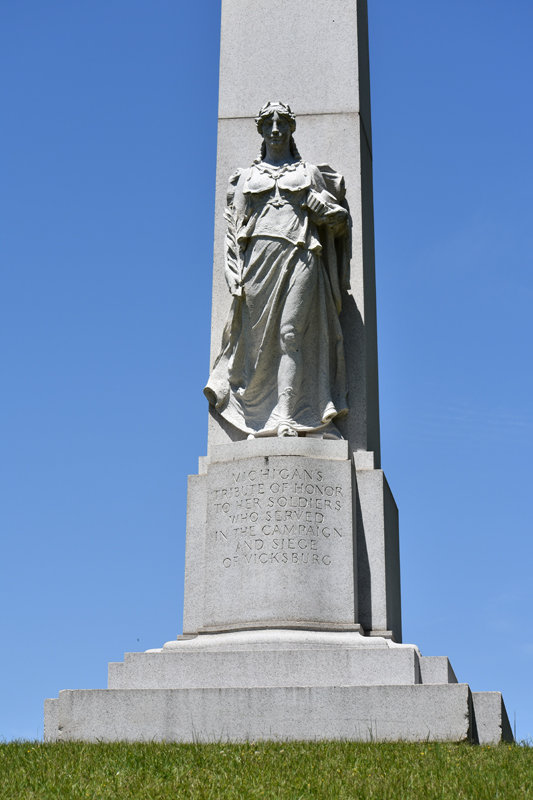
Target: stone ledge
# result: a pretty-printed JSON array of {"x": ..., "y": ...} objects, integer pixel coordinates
[
  {"x": 280, "y": 446},
  {"x": 286, "y": 625},
  {"x": 378, "y": 713},
  {"x": 194, "y": 668}
]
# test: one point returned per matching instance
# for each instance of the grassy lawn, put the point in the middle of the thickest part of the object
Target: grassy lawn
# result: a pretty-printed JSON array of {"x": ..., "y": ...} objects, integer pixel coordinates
[{"x": 266, "y": 769}]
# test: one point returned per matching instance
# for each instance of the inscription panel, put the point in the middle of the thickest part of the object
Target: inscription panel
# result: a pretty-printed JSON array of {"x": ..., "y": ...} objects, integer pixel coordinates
[{"x": 279, "y": 541}]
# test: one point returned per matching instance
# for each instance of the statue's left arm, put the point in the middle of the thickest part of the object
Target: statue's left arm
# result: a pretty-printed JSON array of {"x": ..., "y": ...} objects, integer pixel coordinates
[{"x": 323, "y": 206}]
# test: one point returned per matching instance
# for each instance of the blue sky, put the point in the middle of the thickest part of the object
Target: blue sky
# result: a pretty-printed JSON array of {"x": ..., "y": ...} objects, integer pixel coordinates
[{"x": 108, "y": 138}]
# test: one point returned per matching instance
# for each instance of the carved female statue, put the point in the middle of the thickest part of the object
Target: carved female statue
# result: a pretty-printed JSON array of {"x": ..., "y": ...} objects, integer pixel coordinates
[{"x": 280, "y": 370}]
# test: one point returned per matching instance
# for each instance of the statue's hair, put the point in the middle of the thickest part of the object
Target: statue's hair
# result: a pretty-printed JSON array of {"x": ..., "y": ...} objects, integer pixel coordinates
[{"x": 283, "y": 111}]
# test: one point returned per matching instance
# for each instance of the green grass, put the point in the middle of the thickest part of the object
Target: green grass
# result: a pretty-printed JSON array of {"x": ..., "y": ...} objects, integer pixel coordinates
[{"x": 294, "y": 770}]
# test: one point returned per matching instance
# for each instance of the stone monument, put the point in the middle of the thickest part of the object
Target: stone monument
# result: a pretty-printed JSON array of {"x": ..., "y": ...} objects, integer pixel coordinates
[{"x": 292, "y": 613}]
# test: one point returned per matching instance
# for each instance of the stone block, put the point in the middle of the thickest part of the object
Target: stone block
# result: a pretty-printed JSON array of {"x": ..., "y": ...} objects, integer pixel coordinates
[
  {"x": 279, "y": 546},
  {"x": 193, "y": 599},
  {"x": 51, "y": 719},
  {"x": 313, "y": 40},
  {"x": 436, "y": 669},
  {"x": 364, "y": 459},
  {"x": 363, "y": 713},
  {"x": 491, "y": 723},
  {"x": 378, "y": 553},
  {"x": 115, "y": 675}
]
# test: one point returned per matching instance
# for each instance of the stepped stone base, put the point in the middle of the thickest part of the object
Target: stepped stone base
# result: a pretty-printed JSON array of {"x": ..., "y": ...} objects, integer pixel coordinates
[
  {"x": 300, "y": 685},
  {"x": 292, "y": 618}
]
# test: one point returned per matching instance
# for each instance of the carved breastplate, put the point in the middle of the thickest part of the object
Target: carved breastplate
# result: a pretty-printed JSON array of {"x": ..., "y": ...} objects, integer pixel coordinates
[{"x": 286, "y": 185}]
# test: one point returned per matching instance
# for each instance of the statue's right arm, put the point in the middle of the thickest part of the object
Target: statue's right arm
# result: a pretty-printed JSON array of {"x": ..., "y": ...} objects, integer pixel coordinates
[
  {"x": 234, "y": 214},
  {"x": 239, "y": 199}
]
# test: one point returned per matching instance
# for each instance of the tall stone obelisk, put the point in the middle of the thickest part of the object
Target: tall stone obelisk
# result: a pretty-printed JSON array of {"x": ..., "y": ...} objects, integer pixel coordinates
[
  {"x": 292, "y": 617},
  {"x": 312, "y": 54}
]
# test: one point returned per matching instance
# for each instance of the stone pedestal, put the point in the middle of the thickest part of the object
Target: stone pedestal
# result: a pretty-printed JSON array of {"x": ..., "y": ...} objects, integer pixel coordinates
[
  {"x": 280, "y": 546},
  {"x": 287, "y": 532}
]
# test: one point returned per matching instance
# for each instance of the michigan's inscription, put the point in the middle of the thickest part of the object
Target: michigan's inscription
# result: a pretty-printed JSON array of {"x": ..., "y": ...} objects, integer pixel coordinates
[{"x": 276, "y": 516}]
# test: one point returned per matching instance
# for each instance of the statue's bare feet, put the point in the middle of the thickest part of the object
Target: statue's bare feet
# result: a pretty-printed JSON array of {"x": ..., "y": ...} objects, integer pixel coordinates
[{"x": 286, "y": 430}]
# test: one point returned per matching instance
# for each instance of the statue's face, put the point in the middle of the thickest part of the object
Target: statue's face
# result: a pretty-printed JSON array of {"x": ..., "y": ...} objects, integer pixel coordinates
[{"x": 276, "y": 131}]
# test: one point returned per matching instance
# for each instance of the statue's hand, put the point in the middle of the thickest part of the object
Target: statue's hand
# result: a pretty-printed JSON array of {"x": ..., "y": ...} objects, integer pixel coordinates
[
  {"x": 336, "y": 216},
  {"x": 326, "y": 213}
]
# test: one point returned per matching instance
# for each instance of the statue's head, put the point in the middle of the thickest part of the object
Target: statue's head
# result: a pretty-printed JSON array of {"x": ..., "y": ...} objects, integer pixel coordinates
[
  {"x": 281, "y": 109},
  {"x": 275, "y": 112}
]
